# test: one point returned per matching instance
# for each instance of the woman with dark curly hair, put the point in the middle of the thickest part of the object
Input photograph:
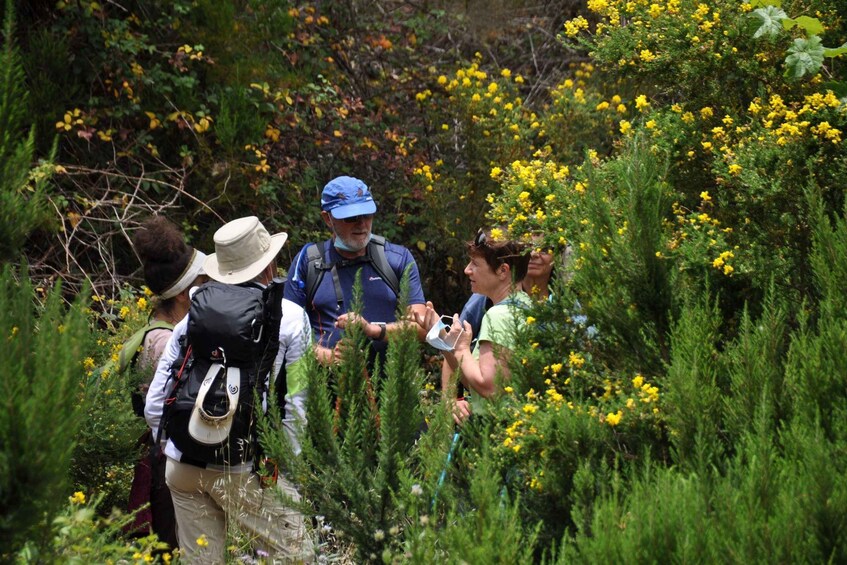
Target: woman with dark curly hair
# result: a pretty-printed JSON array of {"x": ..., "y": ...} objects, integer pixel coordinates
[{"x": 171, "y": 269}]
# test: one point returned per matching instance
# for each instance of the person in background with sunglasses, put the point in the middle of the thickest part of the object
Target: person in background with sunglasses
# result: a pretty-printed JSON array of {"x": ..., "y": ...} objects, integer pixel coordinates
[
  {"x": 496, "y": 269},
  {"x": 347, "y": 209}
]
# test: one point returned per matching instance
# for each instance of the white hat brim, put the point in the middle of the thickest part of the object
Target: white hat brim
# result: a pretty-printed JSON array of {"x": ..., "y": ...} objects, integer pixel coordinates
[
  {"x": 214, "y": 430},
  {"x": 251, "y": 271}
]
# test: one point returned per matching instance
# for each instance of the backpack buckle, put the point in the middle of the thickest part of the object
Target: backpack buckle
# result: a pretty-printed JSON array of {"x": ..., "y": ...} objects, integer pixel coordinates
[{"x": 258, "y": 337}]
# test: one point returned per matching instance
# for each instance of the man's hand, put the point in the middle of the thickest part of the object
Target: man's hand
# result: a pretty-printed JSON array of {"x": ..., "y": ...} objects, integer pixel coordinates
[
  {"x": 372, "y": 331},
  {"x": 327, "y": 356}
]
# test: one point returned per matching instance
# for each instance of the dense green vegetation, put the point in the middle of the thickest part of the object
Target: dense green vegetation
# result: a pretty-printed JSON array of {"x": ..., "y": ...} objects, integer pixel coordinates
[{"x": 690, "y": 154}]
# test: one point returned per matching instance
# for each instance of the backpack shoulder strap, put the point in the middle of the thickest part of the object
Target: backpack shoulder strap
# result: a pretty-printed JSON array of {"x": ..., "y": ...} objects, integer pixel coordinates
[
  {"x": 314, "y": 271},
  {"x": 376, "y": 251},
  {"x": 129, "y": 350}
]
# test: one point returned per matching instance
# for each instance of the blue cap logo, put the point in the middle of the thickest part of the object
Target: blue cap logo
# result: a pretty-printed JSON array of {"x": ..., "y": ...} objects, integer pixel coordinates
[{"x": 345, "y": 197}]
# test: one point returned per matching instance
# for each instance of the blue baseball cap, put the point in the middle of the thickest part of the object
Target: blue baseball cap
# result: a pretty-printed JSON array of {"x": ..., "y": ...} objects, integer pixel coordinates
[{"x": 345, "y": 197}]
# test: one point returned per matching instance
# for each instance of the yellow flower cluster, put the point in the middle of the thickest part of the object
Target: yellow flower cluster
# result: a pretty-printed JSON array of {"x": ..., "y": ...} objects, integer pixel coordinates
[
  {"x": 532, "y": 197},
  {"x": 574, "y": 26},
  {"x": 792, "y": 121},
  {"x": 721, "y": 262},
  {"x": 428, "y": 174}
]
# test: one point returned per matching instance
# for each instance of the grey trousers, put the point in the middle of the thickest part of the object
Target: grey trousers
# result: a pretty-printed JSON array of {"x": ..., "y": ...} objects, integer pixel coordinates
[{"x": 207, "y": 501}]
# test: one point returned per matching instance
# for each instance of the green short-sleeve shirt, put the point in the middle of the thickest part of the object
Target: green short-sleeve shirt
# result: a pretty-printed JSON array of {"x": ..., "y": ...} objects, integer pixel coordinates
[
  {"x": 498, "y": 327},
  {"x": 498, "y": 324}
]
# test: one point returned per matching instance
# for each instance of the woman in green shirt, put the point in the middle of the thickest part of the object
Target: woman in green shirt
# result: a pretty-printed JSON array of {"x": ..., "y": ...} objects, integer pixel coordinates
[{"x": 495, "y": 270}]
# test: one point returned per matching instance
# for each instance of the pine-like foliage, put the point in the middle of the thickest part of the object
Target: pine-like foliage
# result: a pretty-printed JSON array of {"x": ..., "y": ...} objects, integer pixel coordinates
[
  {"x": 757, "y": 430},
  {"x": 43, "y": 399},
  {"x": 483, "y": 527},
  {"x": 818, "y": 353},
  {"x": 359, "y": 443},
  {"x": 625, "y": 283},
  {"x": 692, "y": 393},
  {"x": 21, "y": 188}
]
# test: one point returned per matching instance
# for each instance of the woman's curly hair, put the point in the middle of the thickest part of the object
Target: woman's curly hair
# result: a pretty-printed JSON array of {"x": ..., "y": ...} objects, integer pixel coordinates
[{"x": 163, "y": 252}]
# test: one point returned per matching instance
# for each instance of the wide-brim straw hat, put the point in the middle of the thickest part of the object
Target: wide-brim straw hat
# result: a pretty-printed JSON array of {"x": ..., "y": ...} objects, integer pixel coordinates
[{"x": 243, "y": 248}]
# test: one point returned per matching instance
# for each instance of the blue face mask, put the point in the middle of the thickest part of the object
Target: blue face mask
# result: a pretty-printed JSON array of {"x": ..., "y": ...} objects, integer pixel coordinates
[
  {"x": 341, "y": 246},
  {"x": 433, "y": 336}
]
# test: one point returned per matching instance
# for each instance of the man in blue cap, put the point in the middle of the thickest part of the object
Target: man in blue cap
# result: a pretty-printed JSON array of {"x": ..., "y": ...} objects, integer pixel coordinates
[{"x": 322, "y": 275}]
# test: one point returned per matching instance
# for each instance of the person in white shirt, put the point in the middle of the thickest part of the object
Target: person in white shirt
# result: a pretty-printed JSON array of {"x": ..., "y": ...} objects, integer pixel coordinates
[{"x": 207, "y": 496}]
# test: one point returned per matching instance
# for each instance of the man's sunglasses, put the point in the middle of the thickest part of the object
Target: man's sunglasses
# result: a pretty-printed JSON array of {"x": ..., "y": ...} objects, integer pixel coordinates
[{"x": 357, "y": 219}]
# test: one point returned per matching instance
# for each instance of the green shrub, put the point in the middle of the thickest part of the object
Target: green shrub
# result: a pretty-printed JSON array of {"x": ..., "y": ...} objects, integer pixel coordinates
[
  {"x": 43, "y": 345},
  {"x": 81, "y": 535},
  {"x": 23, "y": 206},
  {"x": 360, "y": 440}
]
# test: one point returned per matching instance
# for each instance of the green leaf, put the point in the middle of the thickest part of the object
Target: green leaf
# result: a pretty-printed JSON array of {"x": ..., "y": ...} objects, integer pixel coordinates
[
  {"x": 813, "y": 26},
  {"x": 771, "y": 18},
  {"x": 805, "y": 57},
  {"x": 836, "y": 51},
  {"x": 759, "y": 3}
]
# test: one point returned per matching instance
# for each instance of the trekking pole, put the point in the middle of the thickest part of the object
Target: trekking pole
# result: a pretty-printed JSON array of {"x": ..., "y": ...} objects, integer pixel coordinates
[{"x": 443, "y": 474}]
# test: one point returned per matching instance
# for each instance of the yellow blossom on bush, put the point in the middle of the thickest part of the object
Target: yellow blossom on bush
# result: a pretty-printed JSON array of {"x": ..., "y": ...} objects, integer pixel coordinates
[
  {"x": 574, "y": 26},
  {"x": 625, "y": 126},
  {"x": 530, "y": 408},
  {"x": 530, "y": 320},
  {"x": 641, "y": 102},
  {"x": 77, "y": 498},
  {"x": 614, "y": 419},
  {"x": 575, "y": 359},
  {"x": 734, "y": 169}
]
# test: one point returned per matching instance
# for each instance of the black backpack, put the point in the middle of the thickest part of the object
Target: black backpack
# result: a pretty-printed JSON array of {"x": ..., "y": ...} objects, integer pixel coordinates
[
  {"x": 316, "y": 267},
  {"x": 227, "y": 354}
]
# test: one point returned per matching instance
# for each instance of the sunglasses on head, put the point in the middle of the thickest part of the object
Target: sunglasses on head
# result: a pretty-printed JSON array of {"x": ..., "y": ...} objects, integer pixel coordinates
[
  {"x": 480, "y": 239},
  {"x": 357, "y": 219}
]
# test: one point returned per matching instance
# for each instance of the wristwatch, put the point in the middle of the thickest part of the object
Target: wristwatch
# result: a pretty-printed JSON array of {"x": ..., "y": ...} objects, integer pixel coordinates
[{"x": 381, "y": 335}]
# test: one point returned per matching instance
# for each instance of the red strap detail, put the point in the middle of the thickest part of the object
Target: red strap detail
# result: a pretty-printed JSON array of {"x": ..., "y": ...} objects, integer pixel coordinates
[
  {"x": 184, "y": 361},
  {"x": 171, "y": 399}
]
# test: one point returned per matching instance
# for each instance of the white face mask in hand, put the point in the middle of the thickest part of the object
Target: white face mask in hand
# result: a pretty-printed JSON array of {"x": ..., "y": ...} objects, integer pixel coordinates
[{"x": 447, "y": 343}]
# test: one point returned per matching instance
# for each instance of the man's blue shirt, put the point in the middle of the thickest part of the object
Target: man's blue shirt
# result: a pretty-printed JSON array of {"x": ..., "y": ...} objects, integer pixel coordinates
[{"x": 379, "y": 301}]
